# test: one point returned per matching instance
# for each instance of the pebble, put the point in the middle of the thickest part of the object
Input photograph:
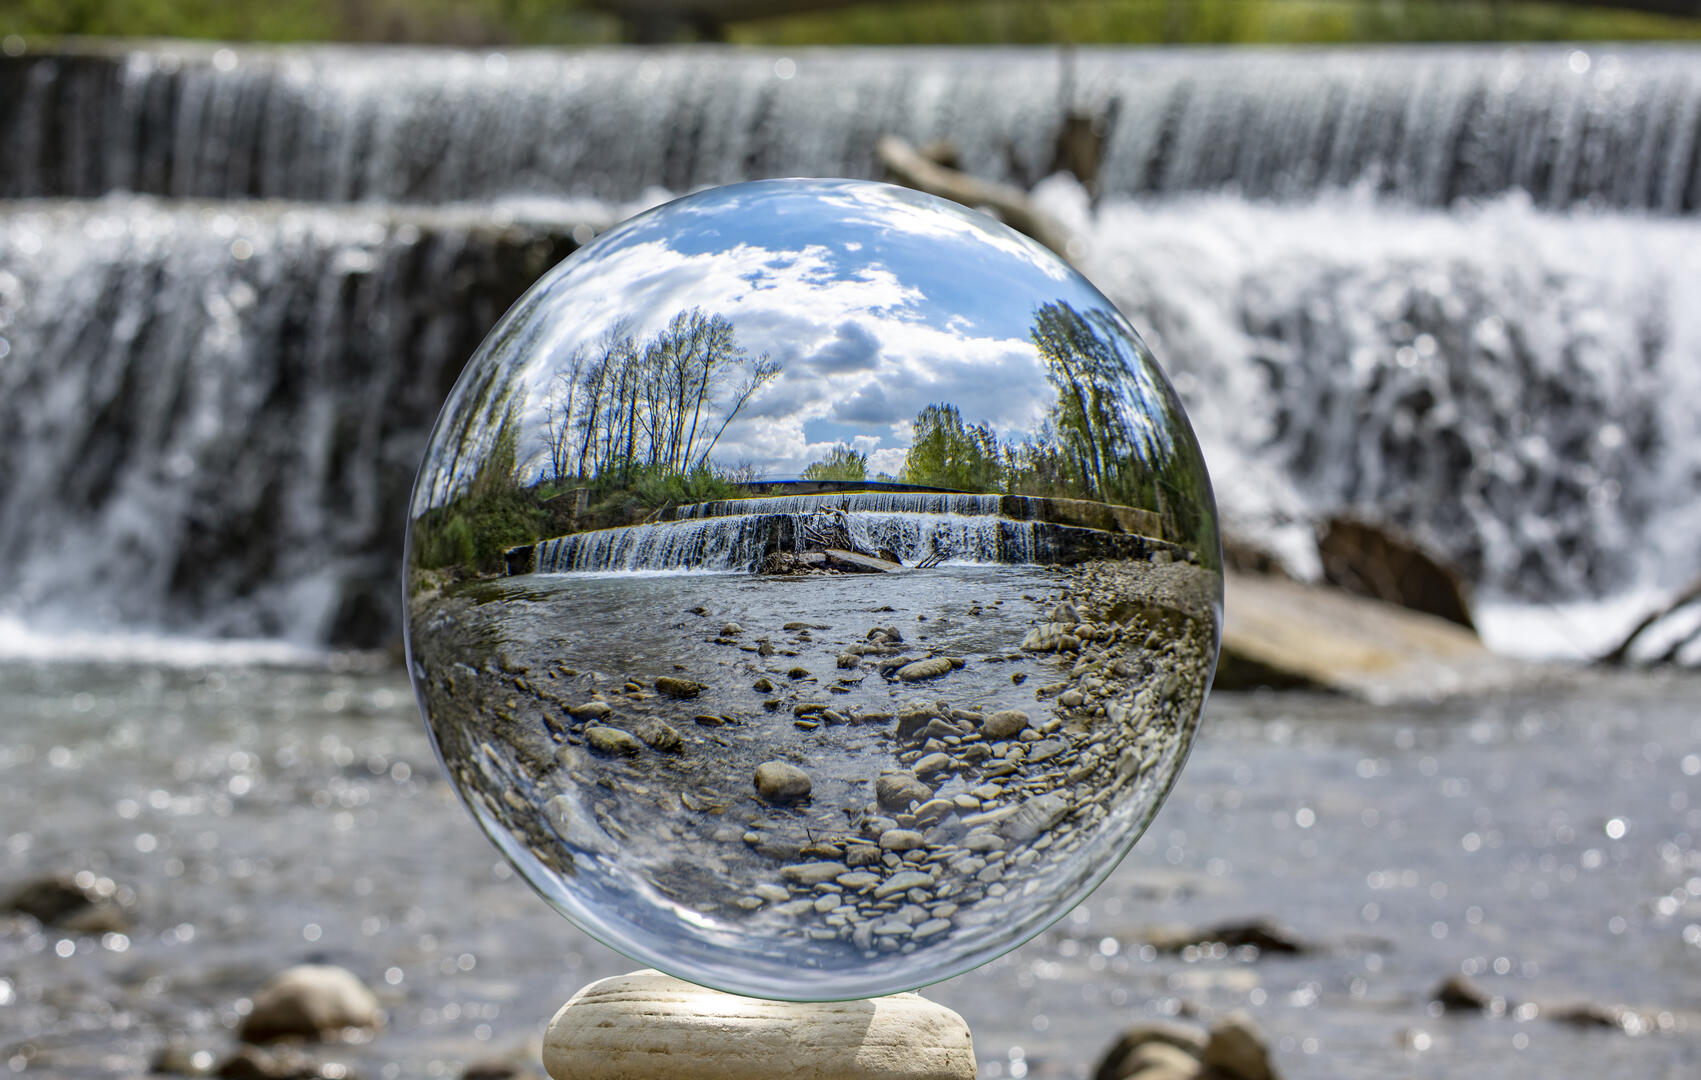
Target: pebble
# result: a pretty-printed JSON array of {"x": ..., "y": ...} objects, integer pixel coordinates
[
  {"x": 1035, "y": 816},
  {"x": 931, "y": 927},
  {"x": 858, "y": 879},
  {"x": 895, "y": 791},
  {"x": 578, "y": 828},
  {"x": 777, "y": 781},
  {"x": 903, "y": 882},
  {"x": 763, "y": 686},
  {"x": 1004, "y": 724},
  {"x": 934, "y": 809},
  {"x": 679, "y": 688},
  {"x": 310, "y": 1001},
  {"x": 659, "y": 736},
  {"x": 900, "y": 840},
  {"x": 813, "y": 873},
  {"x": 611, "y": 740},
  {"x": 767, "y": 890},
  {"x": 798, "y": 673},
  {"x": 731, "y": 628},
  {"x": 933, "y": 763},
  {"x": 590, "y": 710},
  {"x": 925, "y": 669},
  {"x": 983, "y": 839},
  {"x": 861, "y": 855}
]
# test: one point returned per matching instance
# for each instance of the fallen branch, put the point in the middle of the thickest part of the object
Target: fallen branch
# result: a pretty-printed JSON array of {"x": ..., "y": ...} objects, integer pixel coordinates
[
  {"x": 1689, "y": 595},
  {"x": 1010, "y": 204}
]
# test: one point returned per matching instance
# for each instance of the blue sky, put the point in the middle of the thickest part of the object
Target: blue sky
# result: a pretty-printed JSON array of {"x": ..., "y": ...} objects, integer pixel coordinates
[{"x": 876, "y": 301}]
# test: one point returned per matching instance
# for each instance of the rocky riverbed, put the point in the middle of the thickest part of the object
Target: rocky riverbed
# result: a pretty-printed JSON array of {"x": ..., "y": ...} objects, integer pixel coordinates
[
  {"x": 248, "y": 819},
  {"x": 928, "y": 761}
]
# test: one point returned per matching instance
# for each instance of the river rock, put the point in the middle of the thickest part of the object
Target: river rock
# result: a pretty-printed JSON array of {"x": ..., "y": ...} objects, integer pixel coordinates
[
  {"x": 311, "y": 1001},
  {"x": 611, "y": 740},
  {"x": 903, "y": 882},
  {"x": 933, "y": 763},
  {"x": 590, "y": 710},
  {"x": 731, "y": 629},
  {"x": 82, "y": 903},
  {"x": 1459, "y": 994},
  {"x": 568, "y": 817},
  {"x": 925, "y": 669},
  {"x": 1236, "y": 1049},
  {"x": 679, "y": 688},
  {"x": 659, "y": 736},
  {"x": 1124, "y": 1060},
  {"x": 900, "y": 840},
  {"x": 895, "y": 791},
  {"x": 650, "y": 1025},
  {"x": 1004, "y": 724},
  {"x": 777, "y": 781},
  {"x": 276, "y": 1063},
  {"x": 1035, "y": 818},
  {"x": 1260, "y": 934},
  {"x": 813, "y": 873},
  {"x": 763, "y": 686}
]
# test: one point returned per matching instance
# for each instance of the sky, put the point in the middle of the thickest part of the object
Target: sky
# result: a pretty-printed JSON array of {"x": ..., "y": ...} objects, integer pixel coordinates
[{"x": 875, "y": 300}]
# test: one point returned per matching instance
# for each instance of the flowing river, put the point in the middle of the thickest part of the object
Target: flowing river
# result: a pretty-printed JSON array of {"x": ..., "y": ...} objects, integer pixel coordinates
[
  {"x": 1451, "y": 289},
  {"x": 263, "y": 815}
]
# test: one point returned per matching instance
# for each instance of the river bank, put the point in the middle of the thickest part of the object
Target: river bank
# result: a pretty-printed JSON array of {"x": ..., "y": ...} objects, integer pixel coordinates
[{"x": 1543, "y": 842}]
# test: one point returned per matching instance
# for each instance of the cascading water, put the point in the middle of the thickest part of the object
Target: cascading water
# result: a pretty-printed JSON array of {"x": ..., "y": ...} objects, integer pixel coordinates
[
  {"x": 737, "y": 539},
  {"x": 1621, "y": 128},
  {"x": 210, "y": 414},
  {"x": 1448, "y": 288}
]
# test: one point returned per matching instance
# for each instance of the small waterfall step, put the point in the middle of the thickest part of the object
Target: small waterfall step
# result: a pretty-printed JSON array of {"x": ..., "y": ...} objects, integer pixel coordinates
[{"x": 741, "y": 543}]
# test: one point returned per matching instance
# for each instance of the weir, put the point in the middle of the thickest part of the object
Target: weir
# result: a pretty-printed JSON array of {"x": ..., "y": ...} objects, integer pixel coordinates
[
  {"x": 740, "y": 542},
  {"x": 211, "y": 411},
  {"x": 1433, "y": 126}
]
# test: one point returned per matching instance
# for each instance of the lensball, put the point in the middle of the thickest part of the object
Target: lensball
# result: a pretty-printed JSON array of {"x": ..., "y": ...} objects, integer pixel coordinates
[{"x": 812, "y": 588}]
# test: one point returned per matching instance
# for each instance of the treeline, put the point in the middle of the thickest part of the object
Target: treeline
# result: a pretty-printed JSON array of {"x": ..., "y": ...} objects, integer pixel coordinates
[
  {"x": 1108, "y": 437},
  {"x": 623, "y": 404},
  {"x": 632, "y": 420}
]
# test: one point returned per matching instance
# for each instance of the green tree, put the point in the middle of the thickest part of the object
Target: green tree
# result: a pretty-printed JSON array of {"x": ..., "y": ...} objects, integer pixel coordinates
[
  {"x": 947, "y": 453},
  {"x": 841, "y": 463}
]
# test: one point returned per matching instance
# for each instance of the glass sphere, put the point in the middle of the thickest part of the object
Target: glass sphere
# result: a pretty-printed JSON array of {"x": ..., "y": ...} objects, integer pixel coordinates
[{"x": 812, "y": 588}]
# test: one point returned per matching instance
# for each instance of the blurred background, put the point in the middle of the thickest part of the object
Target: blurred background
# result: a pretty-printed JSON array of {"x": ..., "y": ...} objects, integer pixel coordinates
[{"x": 1422, "y": 272}]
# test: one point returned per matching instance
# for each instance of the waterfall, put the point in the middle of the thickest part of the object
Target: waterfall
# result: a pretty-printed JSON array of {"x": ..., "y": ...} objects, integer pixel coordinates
[
  {"x": 738, "y": 540},
  {"x": 1448, "y": 288},
  {"x": 1617, "y": 125},
  {"x": 210, "y": 415}
]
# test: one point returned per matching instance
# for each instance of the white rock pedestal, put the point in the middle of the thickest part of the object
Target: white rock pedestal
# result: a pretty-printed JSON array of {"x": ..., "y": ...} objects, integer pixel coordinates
[{"x": 650, "y": 1026}]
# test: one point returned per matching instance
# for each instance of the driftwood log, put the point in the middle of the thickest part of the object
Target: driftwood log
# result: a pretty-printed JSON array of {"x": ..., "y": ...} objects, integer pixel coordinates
[
  {"x": 1620, "y": 654},
  {"x": 1011, "y": 205}
]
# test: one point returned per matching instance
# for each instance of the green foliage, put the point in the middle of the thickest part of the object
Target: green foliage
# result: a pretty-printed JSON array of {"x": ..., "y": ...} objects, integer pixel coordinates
[
  {"x": 655, "y": 485},
  {"x": 1096, "y": 22},
  {"x": 1208, "y": 22},
  {"x": 841, "y": 463},
  {"x": 949, "y": 454}
]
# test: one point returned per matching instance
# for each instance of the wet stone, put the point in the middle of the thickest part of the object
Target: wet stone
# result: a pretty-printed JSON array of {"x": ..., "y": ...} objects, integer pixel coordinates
[
  {"x": 895, "y": 791},
  {"x": 812, "y": 873},
  {"x": 659, "y": 736},
  {"x": 900, "y": 840},
  {"x": 610, "y": 740},
  {"x": 678, "y": 688},
  {"x": 777, "y": 781}
]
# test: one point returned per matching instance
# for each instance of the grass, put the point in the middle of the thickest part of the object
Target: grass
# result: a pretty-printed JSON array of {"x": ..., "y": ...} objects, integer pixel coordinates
[{"x": 566, "y": 22}]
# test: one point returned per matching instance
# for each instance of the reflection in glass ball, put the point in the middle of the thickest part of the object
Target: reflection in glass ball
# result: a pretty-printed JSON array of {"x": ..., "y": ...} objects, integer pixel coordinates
[{"x": 825, "y": 737}]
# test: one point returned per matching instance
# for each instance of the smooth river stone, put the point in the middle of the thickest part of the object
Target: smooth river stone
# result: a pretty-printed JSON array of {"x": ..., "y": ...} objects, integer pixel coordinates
[{"x": 650, "y": 1025}]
